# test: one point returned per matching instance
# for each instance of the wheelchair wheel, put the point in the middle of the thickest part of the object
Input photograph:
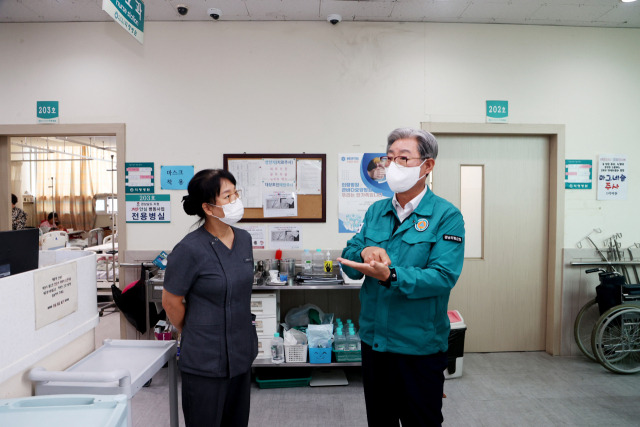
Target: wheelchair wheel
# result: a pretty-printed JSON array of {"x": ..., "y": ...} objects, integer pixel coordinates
[
  {"x": 583, "y": 327},
  {"x": 616, "y": 339}
]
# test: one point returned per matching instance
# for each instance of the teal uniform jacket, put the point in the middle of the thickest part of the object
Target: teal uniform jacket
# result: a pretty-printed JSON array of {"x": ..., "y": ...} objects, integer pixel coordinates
[{"x": 427, "y": 252}]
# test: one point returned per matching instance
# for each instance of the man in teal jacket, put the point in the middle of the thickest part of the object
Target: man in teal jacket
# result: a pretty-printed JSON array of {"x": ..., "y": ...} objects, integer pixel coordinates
[{"x": 411, "y": 250}]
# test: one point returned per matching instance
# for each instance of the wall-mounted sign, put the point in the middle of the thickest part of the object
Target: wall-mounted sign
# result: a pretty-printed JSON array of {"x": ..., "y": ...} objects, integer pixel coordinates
[
  {"x": 175, "y": 177},
  {"x": 56, "y": 293},
  {"x": 143, "y": 208},
  {"x": 497, "y": 111},
  {"x": 138, "y": 177},
  {"x": 129, "y": 14},
  {"x": 577, "y": 174},
  {"x": 612, "y": 177},
  {"x": 47, "y": 112}
]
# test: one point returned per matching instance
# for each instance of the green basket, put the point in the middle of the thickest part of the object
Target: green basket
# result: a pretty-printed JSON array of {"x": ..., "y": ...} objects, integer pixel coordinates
[
  {"x": 348, "y": 356},
  {"x": 282, "y": 379}
]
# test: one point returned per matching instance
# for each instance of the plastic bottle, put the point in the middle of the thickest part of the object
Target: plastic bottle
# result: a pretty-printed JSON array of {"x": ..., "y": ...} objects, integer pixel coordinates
[
  {"x": 339, "y": 340},
  {"x": 307, "y": 262},
  {"x": 352, "y": 340},
  {"x": 277, "y": 349},
  {"x": 318, "y": 261},
  {"x": 328, "y": 263}
]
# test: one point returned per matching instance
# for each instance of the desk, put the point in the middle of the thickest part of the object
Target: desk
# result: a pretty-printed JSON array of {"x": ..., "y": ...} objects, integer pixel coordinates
[
  {"x": 118, "y": 367},
  {"x": 102, "y": 248}
]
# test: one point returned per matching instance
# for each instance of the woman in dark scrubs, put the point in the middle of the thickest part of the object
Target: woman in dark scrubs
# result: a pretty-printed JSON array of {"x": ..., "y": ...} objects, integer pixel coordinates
[{"x": 212, "y": 269}]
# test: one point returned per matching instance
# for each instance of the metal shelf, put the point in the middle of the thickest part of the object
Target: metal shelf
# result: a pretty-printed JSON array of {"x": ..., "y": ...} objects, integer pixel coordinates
[
  {"x": 605, "y": 263},
  {"x": 266, "y": 363},
  {"x": 302, "y": 287}
]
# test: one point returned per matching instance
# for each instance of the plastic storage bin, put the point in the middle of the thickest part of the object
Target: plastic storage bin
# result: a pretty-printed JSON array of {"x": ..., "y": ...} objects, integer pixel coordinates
[
  {"x": 65, "y": 410},
  {"x": 296, "y": 353},
  {"x": 320, "y": 355},
  {"x": 283, "y": 378},
  {"x": 456, "y": 345},
  {"x": 348, "y": 356}
]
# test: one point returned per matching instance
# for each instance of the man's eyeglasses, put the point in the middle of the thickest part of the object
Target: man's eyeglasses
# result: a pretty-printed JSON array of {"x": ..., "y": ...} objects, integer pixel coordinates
[{"x": 399, "y": 160}]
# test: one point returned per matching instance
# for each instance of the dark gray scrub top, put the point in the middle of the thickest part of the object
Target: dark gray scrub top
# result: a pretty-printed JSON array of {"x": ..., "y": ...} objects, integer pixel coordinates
[{"x": 218, "y": 338}]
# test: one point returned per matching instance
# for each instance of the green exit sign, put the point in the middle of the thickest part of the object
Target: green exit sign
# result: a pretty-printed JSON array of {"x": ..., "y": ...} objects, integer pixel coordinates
[
  {"x": 47, "y": 112},
  {"x": 497, "y": 111}
]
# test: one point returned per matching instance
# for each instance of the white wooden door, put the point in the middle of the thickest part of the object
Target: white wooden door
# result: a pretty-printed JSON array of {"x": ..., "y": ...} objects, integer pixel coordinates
[{"x": 502, "y": 295}]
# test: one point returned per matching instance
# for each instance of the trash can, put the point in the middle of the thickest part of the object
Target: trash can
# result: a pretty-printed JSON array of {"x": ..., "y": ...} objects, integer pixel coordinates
[{"x": 456, "y": 345}]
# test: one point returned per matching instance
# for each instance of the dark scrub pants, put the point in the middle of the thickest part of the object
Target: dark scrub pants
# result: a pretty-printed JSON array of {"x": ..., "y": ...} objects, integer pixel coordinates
[
  {"x": 403, "y": 387},
  {"x": 216, "y": 401}
]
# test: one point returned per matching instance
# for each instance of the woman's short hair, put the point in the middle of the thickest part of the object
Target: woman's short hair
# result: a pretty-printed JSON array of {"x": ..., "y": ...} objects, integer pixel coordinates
[
  {"x": 14, "y": 199},
  {"x": 427, "y": 144},
  {"x": 204, "y": 187}
]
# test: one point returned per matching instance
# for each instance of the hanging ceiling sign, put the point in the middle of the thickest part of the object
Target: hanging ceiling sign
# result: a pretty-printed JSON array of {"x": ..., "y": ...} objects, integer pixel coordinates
[
  {"x": 129, "y": 14},
  {"x": 48, "y": 112},
  {"x": 497, "y": 111}
]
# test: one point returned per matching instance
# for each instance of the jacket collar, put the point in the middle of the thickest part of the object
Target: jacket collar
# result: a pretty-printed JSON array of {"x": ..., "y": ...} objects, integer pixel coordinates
[{"x": 425, "y": 208}]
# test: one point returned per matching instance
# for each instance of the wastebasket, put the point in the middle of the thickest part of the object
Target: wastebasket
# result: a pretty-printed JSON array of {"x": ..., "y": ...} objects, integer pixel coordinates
[{"x": 456, "y": 345}]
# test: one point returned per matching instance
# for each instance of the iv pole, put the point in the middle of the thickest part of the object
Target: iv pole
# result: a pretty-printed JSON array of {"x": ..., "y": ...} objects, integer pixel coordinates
[{"x": 113, "y": 227}]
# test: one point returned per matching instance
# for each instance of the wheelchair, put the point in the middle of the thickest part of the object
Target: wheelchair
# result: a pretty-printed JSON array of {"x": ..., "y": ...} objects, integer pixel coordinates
[{"x": 607, "y": 328}]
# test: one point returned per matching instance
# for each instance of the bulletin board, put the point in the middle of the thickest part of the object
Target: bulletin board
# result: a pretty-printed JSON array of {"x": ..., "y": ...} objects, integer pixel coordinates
[{"x": 310, "y": 207}]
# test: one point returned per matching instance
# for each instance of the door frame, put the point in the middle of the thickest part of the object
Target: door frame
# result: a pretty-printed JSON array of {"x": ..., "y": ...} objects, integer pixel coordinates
[
  {"x": 555, "y": 137},
  {"x": 89, "y": 129}
]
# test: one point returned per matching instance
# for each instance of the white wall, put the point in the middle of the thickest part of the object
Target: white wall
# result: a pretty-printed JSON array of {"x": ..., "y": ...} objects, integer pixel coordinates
[{"x": 197, "y": 90}]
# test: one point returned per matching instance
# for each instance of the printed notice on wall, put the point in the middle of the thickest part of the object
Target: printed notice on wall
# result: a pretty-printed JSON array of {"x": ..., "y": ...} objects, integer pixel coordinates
[
  {"x": 56, "y": 293},
  {"x": 258, "y": 235},
  {"x": 248, "y": 175},
  {"x": 612, "y": 177},
  {"x": 577, "y": 174},
  {"x": 361, "y": 182},
  {"x": 138, "y": 177},
  {"x": 148, "y": 208},
  {"x": 285, "y": 237}
]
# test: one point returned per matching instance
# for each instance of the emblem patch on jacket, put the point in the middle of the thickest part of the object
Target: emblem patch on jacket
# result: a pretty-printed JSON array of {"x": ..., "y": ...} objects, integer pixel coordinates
[
  {"x": 422, "y": 224},
  {"x": 452, "y": 238}
]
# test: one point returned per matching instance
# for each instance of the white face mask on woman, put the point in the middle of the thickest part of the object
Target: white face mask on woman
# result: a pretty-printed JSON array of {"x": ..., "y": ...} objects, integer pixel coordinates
[
  {"x": 403, "y": 178},
  {"x": 233, "y": 212}
]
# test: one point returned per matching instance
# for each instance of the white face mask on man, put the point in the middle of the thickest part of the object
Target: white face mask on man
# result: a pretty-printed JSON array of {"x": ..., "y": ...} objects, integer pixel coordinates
[
  {"x": 233, "y": 212},
  {"x": 403, "y": 178}
]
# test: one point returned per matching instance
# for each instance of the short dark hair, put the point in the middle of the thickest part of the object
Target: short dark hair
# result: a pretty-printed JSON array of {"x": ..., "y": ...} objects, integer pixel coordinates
[
  {"x": 14, "y": 199},
  {"x": 204, "y": 187},
  {"x": 51, "y": 216}
]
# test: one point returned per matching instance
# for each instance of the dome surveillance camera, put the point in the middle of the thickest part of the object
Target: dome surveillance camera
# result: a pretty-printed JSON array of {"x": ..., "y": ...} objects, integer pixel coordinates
[
  {"x": 182, "y": 9},
  {"x": 215, "y": 13},
  {"x": 334, "y": 18}
]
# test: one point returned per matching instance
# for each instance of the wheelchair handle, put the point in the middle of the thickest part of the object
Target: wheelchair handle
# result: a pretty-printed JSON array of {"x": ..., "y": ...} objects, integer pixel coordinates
[{"x": 593, "y": 270}]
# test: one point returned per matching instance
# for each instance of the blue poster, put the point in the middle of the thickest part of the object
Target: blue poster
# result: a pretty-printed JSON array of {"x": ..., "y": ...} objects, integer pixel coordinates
[
  {"x": 175, "y": 177},
  {"x": 362, "y": 181}
]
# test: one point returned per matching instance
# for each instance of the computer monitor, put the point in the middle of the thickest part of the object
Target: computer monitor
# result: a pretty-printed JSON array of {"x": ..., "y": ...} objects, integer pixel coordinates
[{"x": 19, "y": 251}]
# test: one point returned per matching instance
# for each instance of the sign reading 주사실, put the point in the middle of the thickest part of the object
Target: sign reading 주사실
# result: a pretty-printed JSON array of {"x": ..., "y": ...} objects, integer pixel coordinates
[
  {"x": 145, "y": 208},
  {"x": 129, "y": 14}
]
